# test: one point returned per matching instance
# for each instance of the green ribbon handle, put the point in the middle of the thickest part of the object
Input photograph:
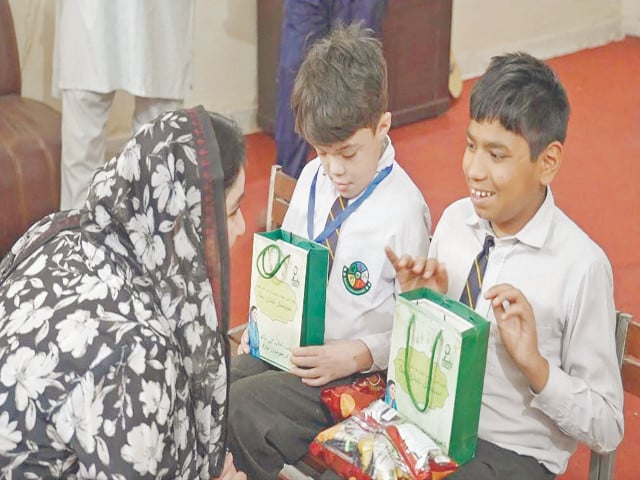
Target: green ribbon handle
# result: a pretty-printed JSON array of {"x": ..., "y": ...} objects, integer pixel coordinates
[
  {"x": 438, "y": 338},
  {"x": 260, "y": 261}
]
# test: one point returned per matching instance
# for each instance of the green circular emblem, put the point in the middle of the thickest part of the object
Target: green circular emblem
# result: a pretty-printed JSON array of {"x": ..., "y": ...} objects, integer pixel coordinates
[{"x": 356, "y": 278}]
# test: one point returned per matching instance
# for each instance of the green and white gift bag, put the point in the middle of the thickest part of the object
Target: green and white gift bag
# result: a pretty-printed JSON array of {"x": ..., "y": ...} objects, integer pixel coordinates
[
  {"x": 287, "y": 296},
  {"x": 436, "y": 363}
]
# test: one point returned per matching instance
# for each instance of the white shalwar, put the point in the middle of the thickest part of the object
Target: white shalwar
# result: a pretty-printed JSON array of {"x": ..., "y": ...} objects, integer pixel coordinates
[{"x": 144, "y": 47}]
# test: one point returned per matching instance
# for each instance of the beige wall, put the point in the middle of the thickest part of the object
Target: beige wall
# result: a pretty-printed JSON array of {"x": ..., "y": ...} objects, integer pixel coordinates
[
  {"x": 225, "y": 74},
  {"x": 545, "y": 28},
  {"x": 631, "y": 17}
]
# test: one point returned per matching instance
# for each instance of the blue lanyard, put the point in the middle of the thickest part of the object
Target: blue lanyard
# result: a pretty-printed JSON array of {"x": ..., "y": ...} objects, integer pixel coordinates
[{"x": 337, "y": 222}]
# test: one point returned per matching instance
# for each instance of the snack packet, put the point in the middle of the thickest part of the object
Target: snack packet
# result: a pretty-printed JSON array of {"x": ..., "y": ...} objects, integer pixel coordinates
[
  {"x": 343, "y": 400},
  {"x": 375, "y": 444},
  {"x": 413, "y": 447},
  {"x": 441, "y": 464}
]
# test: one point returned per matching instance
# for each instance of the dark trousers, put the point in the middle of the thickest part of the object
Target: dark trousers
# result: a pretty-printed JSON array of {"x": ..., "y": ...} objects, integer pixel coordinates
[
  {"x": 494, "y": 463},
  {"x": 273, "y": 417},
  {"x": 306, "y": 21}
]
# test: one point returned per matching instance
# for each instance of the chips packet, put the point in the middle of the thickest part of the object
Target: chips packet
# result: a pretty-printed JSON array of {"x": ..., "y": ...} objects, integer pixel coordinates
[
  {"x": 343, "y": 400},
  {"x": 376, "y": 444},
  {"x": 441, "y": 464}
]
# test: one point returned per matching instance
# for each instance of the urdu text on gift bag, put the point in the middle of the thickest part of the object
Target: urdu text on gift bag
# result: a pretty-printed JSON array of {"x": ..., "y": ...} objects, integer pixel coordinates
[
  {"x": 287, "y": 296},
  {"x": 436, "y": 369}
]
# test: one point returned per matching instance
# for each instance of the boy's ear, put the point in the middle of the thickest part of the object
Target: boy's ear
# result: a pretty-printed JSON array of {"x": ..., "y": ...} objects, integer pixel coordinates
[
  {"x": 384, "y": 124},
  {"x": 550, "y": 161}
]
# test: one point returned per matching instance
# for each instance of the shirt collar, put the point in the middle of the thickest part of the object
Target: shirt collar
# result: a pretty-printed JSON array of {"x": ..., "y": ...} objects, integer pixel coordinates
[{"x": 533, "y": 233}]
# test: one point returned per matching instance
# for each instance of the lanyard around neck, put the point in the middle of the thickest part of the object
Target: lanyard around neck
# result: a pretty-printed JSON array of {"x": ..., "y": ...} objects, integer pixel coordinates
[{"x": 337, "y": 221}]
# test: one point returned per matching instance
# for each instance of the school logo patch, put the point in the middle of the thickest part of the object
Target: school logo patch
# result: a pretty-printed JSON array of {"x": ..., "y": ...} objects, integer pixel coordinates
[{"x": 356, "y": 278}]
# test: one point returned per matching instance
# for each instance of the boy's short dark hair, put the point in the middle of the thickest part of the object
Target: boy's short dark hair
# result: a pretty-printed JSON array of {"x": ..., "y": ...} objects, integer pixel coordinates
[
  {"x": 341, "y": 86},
  {"x": 526, "y": 96}
]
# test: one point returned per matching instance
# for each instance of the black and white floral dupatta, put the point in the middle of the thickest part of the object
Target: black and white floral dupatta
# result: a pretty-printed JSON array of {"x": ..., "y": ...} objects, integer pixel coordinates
[{"x": 113, "y": 362}]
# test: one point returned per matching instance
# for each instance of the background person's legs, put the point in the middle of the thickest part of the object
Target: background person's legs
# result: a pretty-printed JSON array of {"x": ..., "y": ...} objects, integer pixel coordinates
[
  {"x": 147, "y": 109},
  {"x": 368, "y": 12},
  {"x": 84, "y": 118},
  {"x": 305, "y": 21}
]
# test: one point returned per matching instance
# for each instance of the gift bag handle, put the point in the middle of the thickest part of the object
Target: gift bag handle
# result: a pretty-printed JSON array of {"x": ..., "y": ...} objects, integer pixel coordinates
[
  {"x": 260, "y": 262},
  {"x": 438, "y": 338}
]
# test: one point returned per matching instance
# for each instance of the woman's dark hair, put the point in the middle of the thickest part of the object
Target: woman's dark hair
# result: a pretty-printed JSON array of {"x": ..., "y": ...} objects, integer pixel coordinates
[{"x": 231, "y": 144}]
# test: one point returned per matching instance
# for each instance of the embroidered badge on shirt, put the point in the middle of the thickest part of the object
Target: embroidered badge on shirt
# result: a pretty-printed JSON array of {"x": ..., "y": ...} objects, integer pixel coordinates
[{"x": 356, "y": 278}]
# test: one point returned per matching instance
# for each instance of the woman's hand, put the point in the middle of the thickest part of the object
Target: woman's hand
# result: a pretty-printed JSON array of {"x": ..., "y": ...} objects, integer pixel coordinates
[
  {"x": 229, "y": 471},
  {"x": 418, "y": 272},
  {"x": 318, "y": 365}
]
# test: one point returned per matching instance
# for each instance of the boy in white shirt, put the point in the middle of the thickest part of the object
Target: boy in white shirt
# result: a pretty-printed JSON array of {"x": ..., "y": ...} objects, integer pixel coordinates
[
  {"x": 340, "y": 101},
  {"x": 552, "y": 377}
]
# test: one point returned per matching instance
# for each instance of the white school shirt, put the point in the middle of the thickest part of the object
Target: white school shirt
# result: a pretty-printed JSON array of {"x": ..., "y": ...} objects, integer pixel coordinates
[
  {"x": 142, "y": 46},
  {"x": 395, "y": 214},
  {"x": 568, "y": 281}
]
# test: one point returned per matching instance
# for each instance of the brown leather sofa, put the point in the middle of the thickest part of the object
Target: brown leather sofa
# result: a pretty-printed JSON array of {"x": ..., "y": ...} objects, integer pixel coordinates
[{"x": 29, "y": 146}]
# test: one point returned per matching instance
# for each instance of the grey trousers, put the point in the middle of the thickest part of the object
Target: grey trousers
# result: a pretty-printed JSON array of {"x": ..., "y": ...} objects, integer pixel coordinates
[
  {"x": 495, "y": 463},
  {"x": 273, "y": 417}
]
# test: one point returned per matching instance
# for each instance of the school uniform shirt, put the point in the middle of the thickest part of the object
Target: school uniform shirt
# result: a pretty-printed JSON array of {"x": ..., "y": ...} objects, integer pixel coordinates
[
  {"x": 568, "y": 281},
  {"x": 142, "y": 46},
  {"x": 395, "y": 214}
]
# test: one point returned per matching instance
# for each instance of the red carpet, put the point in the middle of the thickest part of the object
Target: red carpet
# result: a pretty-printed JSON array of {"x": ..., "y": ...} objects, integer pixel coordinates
[{"x": 597, "y": 186}]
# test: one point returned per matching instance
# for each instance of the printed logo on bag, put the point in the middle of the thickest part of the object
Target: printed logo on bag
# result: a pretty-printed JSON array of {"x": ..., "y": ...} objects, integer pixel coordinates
[{"x": 356, "y": 278}]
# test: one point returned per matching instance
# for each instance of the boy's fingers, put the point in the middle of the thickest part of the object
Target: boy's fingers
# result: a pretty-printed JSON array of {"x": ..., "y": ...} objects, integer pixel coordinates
[
  {"x": 305, "y": 374},
  {"x": 391, "y": 255},
  {"x": 405, "y": 261},
  {"x": 420, "y": 265},
  {"x": 502, "y": 289},
  {"x": 303, "y": 362},
  {"x": 308, "y": 351},
  {"x": 430, "y": 268},
  {"x": 313, "y": 382},
  {"x": 243, "y": 346},
  {"x": 441, "y": 271},
  {"x": 507, "y": 301}
]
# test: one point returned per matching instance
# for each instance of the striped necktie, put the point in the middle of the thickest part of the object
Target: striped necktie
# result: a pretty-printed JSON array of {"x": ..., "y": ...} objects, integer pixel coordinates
[
  {"x": 332, "y": 240},
  {"x": 473, "y": 286}
]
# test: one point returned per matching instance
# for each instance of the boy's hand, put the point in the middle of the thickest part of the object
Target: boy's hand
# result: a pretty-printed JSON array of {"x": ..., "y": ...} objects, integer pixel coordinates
[
  {"x": 229, "y": 471},
  {"x": 517, "y": 327},
  {"x": 321, "y": 364},
  {"x": 243, "y": 347},
  {"x": 418, "y": 272}
]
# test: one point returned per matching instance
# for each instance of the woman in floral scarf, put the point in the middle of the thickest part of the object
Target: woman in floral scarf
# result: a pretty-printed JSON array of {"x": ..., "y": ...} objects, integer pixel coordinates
[{"x": 113, "y": 360}]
